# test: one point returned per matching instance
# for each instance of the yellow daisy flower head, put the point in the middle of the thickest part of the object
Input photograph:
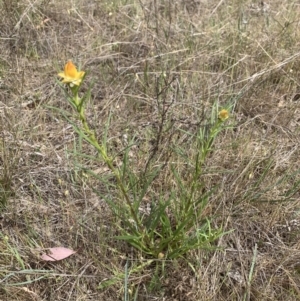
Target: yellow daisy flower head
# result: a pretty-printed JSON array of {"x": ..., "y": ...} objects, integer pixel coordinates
[
  {"x": 70, "y": 75},
  {"x": 223, "y": 115}
]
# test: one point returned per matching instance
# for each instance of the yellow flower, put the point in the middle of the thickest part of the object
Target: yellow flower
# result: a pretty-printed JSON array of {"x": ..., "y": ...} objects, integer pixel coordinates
[
  {"x": 71, "y": 75},
  {"x": 223, "y": 115}
]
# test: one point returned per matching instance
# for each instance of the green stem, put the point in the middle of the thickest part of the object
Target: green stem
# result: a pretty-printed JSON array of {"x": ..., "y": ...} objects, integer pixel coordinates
[
  {"x": 101, "y": 150},
  {"x": 204, "y": 149}
]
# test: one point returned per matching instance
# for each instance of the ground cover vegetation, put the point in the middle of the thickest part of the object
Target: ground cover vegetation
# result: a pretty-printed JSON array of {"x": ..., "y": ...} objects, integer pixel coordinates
[{"x": 158, "y": 140}]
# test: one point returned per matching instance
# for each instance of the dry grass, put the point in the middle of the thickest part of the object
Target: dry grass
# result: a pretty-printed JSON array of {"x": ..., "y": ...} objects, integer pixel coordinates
[{"x": 240, "y": 52}]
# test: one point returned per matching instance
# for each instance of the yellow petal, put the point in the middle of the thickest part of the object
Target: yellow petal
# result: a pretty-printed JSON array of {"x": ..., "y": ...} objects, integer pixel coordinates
[
  {"x": 61, "y": 74},
  {"x": 70, "y": 70}
]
